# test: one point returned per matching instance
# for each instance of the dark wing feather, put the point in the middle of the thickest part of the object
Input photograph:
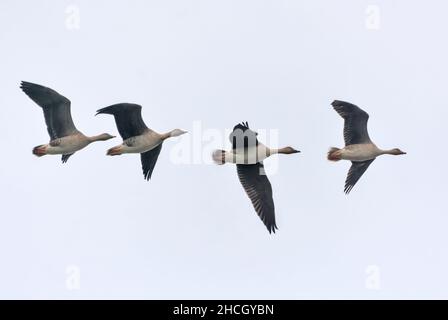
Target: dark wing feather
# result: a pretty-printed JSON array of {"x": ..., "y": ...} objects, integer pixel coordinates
[
  {"x": 243, "y": 137},
  {"x": 128, "y": 118},
  {"x": 65, "y": 157},
  {"x": 355, "y": 122},
  {"x": 149, "y": 159},
  {"x": 258, "y": 188},
  {"x": 354, "y": 174},
  {"x": 56, "y": 109}
]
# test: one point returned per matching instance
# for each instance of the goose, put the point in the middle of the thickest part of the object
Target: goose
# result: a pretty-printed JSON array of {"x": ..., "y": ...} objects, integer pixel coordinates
[
  {"x": 248, "y": 155},
  {"x": 137, "y": 137},
  {"x": 65, "y": 139},
  {"x": 359, "y": 149}
]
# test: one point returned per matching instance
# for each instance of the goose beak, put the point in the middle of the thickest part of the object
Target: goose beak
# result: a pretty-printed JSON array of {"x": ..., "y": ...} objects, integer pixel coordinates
[{"x": 295, "y": 151}]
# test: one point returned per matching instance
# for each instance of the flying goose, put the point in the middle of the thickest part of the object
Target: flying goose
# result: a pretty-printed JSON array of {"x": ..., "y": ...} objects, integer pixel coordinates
[
  {"x": 137, "y": 137},
  {"x": 65, "y": 139},
  {"x": 359, "y": 149},
  {"x": 248, "y": 155}
]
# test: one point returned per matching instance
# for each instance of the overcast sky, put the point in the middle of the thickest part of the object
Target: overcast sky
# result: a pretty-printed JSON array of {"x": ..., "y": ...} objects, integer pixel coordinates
[{"x": 93, "y": 228}]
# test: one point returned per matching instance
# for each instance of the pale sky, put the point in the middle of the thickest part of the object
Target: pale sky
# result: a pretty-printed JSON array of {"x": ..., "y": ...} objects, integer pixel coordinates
[{"x": 93, "y": 228}]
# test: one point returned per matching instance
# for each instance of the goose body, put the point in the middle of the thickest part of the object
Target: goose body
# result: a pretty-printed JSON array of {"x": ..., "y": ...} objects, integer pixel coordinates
[
  {"x": 251, "y": 155},
  {"x": 360, "y": 152},
  {"x": 65, "y": 139},
  {"x": 248, "y": 155},
  {"x": 137, "y": 137},
  {"x": 143, "y": 143},
  {"x": 68, "y": 144},
  {"x": 359, "y": 148}
]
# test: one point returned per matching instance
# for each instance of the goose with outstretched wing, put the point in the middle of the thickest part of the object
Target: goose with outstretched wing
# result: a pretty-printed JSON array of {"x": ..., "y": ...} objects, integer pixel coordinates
[
  {"x": 248, "y": 155},
  {"x": 359, "y": 149},
  {"x": 137, "y": 137},
  {"x": 65, "y": 139}
]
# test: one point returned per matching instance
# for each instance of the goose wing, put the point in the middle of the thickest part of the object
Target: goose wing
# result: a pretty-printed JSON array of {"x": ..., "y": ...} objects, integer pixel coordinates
[
  {"x": 65, "y": 157},
  {"x": 128, "y": 118},
  {"x": 56, "y": 109},
  {"x": 258, "y": 188},
  {"x": 149, "y": 160},
  {"x": 355, "y": 173},
  {"x": 355, "y": 122},
  {"x": 243, "y": 137}
]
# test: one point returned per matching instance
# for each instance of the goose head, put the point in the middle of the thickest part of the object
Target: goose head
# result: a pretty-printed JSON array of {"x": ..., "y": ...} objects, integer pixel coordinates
[
  {"x": 103, "y": 137},
  {"x": 288, "y": 150},
  {"x": 177, "y": 133},
  {"x": 396, "y": 152}
]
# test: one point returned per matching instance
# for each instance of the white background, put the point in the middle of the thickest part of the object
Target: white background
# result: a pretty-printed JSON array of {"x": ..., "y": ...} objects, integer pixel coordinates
[{"x": 191, "y": 232}]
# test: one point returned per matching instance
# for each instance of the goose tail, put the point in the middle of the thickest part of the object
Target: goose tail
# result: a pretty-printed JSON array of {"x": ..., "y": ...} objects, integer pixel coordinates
[
  {"x": 40, "y": 151},
  {"x": 334, "y": 154},
  {"x": 115, "y": 151},
  {"x": 219, "y": 157}
]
